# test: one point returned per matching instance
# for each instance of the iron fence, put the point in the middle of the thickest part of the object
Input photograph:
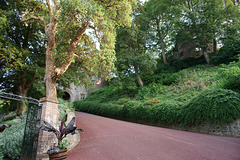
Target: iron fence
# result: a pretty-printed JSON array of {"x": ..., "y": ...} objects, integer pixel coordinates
[{"x": 31, "y": 132}]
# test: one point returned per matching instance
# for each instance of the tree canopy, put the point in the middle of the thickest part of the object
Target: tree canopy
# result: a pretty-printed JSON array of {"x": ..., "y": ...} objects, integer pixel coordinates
[
  {"x": 131, "y": 50},
  {"x": 66, "y": 23},
  {"x": 22, "y": 50},
  {"x": 80, "y": 39}
]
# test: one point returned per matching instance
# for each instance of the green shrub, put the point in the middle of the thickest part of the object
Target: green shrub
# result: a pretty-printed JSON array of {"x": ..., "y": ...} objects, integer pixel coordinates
[
  {"x": 137, "y": 111},
  {"x": 186, "y": 63},
  {"x": 143, "y": 92},
  {"x": 62, "y": 106},
  {"x": 11, "y": 140},
  {"x": 162, "y": 78},
  {"x": 4, "y": 106},
  {"x": 218, "y": 106},
  {"x": 124, "y": 85},
  {"x": 230, "y": 76},
  {"x": 150, "y": 90},
  {"x": 165, "y": 113},
  {"x": 103, "y": 109},
  {"x": 228, "y": 53},
  {"x": 1, "y": 155},
  {"x": 123, "y": 100},
  {"x": 134, "y": 110},
  {"x": 153, "y": 101}
]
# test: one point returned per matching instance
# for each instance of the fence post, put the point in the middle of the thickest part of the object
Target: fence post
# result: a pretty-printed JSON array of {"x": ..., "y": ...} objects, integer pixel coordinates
[{"x": 50, "y": 114}]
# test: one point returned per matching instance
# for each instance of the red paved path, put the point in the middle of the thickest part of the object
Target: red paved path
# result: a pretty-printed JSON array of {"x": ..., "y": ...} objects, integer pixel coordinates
[{"x": 108, "y": 139}]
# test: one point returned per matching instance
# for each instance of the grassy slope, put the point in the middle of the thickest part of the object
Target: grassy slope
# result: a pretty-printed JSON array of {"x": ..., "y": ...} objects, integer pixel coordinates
[{"x": 168, "y": 105}]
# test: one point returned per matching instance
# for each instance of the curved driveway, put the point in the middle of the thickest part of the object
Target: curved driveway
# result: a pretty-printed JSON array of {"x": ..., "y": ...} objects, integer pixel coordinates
[{"x": 109, "y": 139}]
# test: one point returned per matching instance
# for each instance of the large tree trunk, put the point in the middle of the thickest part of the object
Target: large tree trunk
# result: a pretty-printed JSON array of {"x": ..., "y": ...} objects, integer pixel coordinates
[
  {"x": 23, "y": 89},
  {"x": 24, "y": 106},
  {"x": 50, "y": 78},
  {"x": 204, "y": 52},
  {"x": 21, "y": 106},
  {"x": 53, "y": 72}
]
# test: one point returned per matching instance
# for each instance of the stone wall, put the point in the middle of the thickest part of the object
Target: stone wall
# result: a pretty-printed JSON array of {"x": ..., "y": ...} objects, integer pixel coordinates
[
  {"x": 231, "y": 129},
  {"x": 76, "y": 93}
]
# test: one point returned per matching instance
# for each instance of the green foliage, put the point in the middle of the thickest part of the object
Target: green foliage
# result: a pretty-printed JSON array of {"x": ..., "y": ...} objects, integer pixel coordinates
[
  {"x": 156, "y": 112},
  {"x": 1, "y": 155},
  {"x": 186, "y": 63},
  {"x": 123, "y": 100},
  {"x": 186, "y": 101},
  {"x": 218, "y": 106},
  {"x": 132, "y": 57},
  {"x": 4, "y": 106},
  {"x": 62, "y": 106},
  {"x": 64, "y": 144},
  {"x": 228, "y": 53},
  {"x": 162, "y": 78},
  {"x": 229, "y": 76},
  {"x": 11, "y": 140},
  {"x": 165, "y": 113},
  {"x": 153, "y": 101},
  {"x": 149, "y": 90},
  {"x": 22, "y": 49},
  {"x": 94, "y": 107}
]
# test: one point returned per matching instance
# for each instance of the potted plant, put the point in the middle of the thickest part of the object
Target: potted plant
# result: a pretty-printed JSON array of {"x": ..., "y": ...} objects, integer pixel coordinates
[{"x": 59, "y": 150}]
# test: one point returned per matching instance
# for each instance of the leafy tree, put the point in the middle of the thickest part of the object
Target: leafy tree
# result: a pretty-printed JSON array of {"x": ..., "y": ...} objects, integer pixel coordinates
[
  {"x": 161, "y": 15},
  {"x": 22, "y": 50},
  {"x": 131, "y": 49},
  {"x": 66, "y": 23},
  {"x": 204, "y": 21}
]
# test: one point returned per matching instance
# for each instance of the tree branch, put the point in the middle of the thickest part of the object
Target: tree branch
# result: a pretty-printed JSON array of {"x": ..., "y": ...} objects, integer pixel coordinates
[
  {"x": 49, "y": 8},
  {"x": 34, "y": 18},
  {"x": 73, "y": 45}
]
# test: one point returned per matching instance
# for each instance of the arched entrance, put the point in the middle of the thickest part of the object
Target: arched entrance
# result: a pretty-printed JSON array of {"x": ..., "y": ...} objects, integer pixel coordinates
[{"x": 66, "y": 96}]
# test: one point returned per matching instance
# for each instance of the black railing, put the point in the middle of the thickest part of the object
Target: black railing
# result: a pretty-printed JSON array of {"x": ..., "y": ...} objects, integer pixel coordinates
[{"x": 31, "y": 132}]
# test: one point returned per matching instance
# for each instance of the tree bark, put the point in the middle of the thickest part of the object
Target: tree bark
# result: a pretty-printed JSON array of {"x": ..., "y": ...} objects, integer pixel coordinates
[
  {"x": 204, "y": 52},
  {"x": 163, "y": 53},
  {"x": 23, "y": 89},
  {"x": 140, "y": 82},
  {"x": 136, "y": 69}
]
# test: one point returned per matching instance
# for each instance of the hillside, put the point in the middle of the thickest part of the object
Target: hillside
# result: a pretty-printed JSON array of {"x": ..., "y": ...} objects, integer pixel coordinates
[{"x": 197, "y": 95}]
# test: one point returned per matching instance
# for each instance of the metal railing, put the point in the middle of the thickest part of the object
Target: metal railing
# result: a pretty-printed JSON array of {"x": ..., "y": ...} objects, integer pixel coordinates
[{"x": 31, "y": 132}]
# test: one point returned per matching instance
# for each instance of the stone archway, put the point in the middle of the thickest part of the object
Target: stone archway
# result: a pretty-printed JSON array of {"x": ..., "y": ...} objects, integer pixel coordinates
[{"x": 66, "y": 96}]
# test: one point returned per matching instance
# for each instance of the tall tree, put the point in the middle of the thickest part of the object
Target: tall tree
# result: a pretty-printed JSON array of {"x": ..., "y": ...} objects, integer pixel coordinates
[
  {"x": 131, "y": 48},
  {"x": 21, "y": 63},
  {"x": 161, "y": 14},
  {"x": 204, "y": 21},
  {"x": 66, "y": 23}
]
